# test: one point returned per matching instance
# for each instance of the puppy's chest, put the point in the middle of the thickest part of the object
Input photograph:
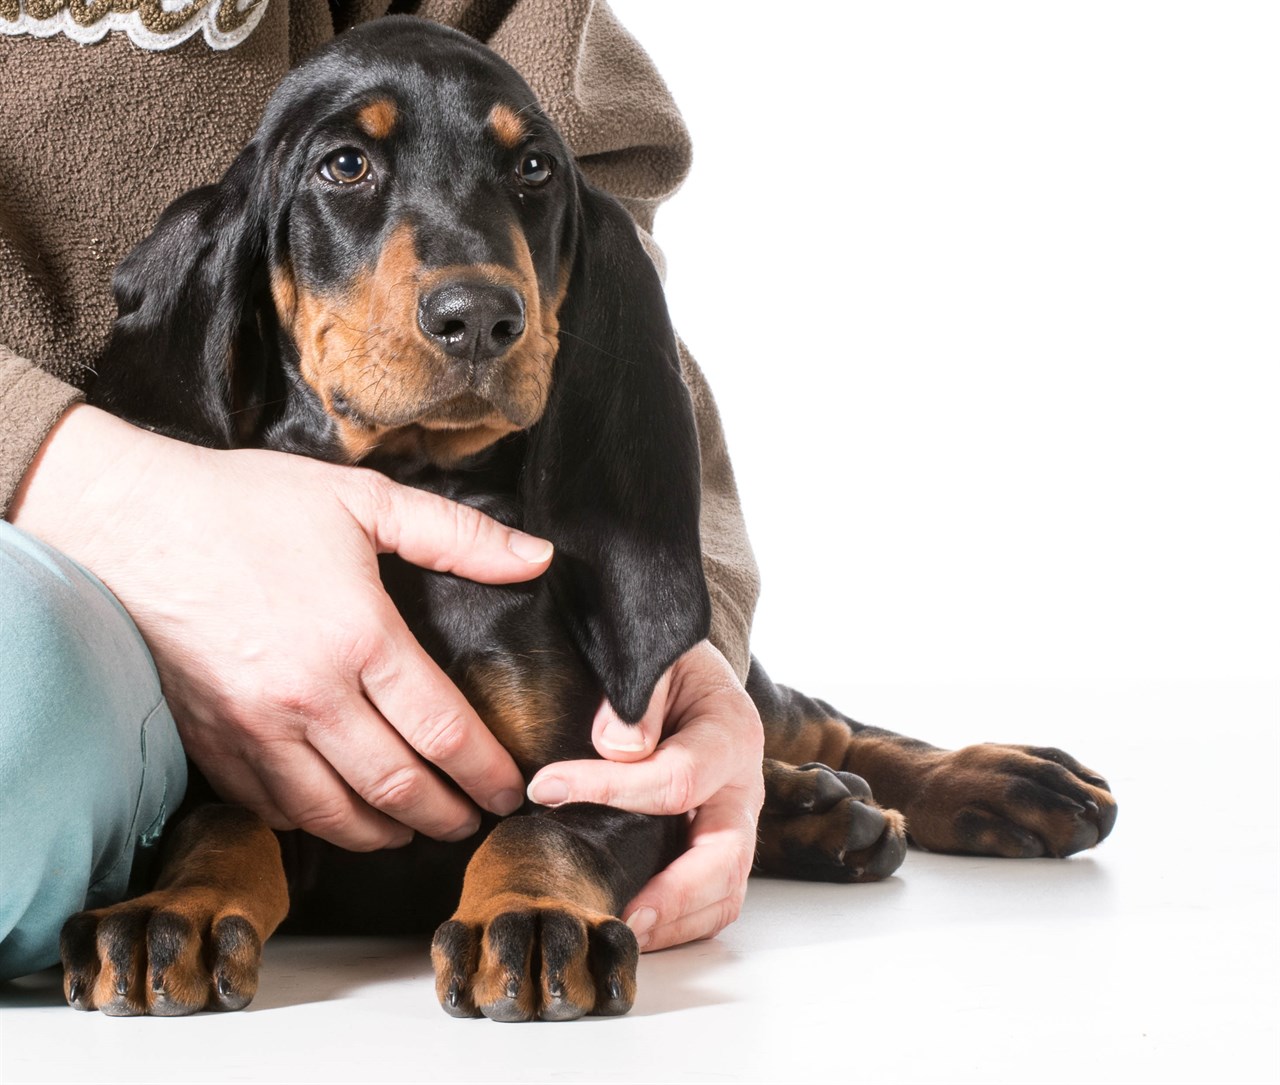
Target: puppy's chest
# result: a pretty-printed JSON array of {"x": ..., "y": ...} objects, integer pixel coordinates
[{"x": 508, "y": 649}]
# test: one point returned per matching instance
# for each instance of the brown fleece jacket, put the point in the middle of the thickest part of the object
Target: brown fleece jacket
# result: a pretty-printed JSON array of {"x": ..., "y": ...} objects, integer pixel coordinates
[{"x": 116, "y": 109}]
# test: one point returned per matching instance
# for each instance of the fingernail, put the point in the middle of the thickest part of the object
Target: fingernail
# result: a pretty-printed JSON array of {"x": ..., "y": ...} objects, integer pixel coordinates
[
  {"x": 641, "y": 922},
  {"x": 461, "y": 834},
  {"x": 529, "y": 547},
  {"x": 549, "y": 791},
  {"x": 506, "y": 802},
  {"x": 623, "y": 737}
]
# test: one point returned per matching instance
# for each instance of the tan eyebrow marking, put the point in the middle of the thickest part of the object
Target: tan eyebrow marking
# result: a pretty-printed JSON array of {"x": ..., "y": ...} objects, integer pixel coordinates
[
  {"x": 506, "y": 125},
  {"x": 378, "y": 118}
]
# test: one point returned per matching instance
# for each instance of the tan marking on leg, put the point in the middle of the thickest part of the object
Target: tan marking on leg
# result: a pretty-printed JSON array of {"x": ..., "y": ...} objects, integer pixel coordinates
[
  {"x": 503, "y": 877},
  {"x": 819, "y": 738}
]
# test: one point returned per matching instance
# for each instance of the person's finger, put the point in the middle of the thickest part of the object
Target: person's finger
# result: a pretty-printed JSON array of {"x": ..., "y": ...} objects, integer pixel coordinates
[
  {"x": 617, "y": 740},
  {"x": 683, "y": 772},
  {"x": 236, "y": 781},
  {"x": 703, "y": 924},
  {"x": 702, "y": 891},
  {"x": 683, "y": 890},
  {"x": 312, "y": 797},
  {"x": 436, "y": 533},
  {"x": 381, "y": 767},
  {"x": 416, "y": 697}
]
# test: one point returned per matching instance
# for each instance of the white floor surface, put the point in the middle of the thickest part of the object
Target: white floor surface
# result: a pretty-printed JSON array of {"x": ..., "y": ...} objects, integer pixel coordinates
[{"x": 1152, "y": 959}]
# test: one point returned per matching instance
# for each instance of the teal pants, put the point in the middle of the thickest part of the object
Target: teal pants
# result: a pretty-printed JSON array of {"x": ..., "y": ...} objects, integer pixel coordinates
[{"x": 90, "y": 761}]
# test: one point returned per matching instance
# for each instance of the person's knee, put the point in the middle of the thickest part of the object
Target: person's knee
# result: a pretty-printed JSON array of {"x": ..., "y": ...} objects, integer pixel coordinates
[{"x": 90, "y": 762}]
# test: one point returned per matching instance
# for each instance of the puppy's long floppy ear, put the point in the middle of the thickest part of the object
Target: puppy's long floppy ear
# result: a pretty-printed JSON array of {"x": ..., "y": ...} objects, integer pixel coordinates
[
  {"x": 186, "y": 337},
  {"x": 612, "y": 472}
]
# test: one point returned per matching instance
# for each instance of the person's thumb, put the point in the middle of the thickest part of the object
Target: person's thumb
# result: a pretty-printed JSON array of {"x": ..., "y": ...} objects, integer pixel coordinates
[{"x": 617, "y": 740}]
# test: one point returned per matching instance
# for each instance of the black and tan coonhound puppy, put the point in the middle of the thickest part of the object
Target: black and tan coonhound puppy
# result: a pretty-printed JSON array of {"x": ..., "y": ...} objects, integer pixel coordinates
[{"x": 404, "y": 269}]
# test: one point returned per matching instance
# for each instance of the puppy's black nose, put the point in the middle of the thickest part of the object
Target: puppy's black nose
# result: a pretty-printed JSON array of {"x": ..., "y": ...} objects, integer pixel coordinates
[{"x": 473, "y": 321}]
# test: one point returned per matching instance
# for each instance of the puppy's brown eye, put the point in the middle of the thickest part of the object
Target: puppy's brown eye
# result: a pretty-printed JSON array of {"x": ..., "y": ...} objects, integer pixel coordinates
[
  {"x": 534, "y": 169},
  {"x": 345, "y": 167}
]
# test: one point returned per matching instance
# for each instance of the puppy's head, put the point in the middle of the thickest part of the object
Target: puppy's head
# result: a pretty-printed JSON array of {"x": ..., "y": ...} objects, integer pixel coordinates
[
  {"x": 420, "y": 208},
  {"x": 384, "y": 264}
]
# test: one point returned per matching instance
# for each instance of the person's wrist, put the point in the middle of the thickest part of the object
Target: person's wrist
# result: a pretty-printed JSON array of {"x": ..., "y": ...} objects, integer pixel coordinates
[
  {"x": 83, "y": 481},
  {"x": 64, "y": 472}
]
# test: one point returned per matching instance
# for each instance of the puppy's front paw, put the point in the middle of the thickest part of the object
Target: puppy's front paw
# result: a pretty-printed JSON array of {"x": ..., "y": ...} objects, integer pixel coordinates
[
  {"x": 1015, "y": 801},
  {"x": 534, "y": 958},
  {"x": 166, "y": 954},
  {"x": 822, "y": 825}
]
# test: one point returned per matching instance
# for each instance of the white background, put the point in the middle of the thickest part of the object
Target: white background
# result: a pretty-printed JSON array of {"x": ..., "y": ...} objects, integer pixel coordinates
[{"x": 988, "y": 294}]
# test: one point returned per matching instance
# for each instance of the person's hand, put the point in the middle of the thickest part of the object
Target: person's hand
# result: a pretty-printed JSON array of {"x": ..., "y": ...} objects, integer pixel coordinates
[
  {"x": 296, "y": 686},
  {"x": 709, "y": 763}
]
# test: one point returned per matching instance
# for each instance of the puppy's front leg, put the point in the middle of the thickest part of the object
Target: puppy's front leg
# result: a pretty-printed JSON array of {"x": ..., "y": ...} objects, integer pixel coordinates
[
  {"x": 536, "y": 933},
  {"x": 196, "y": 940}
]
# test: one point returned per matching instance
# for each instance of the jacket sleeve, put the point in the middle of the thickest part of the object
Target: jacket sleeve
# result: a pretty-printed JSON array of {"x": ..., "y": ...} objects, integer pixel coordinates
[
  {"x": 31, "y": 402},
  {"x": 733, "y": 578},
  {"x": 610, "y": 103}
]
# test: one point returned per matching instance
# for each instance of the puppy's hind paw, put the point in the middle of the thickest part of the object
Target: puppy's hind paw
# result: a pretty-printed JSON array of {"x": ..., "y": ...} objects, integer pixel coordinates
[{"x": 822, "y": 825}]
